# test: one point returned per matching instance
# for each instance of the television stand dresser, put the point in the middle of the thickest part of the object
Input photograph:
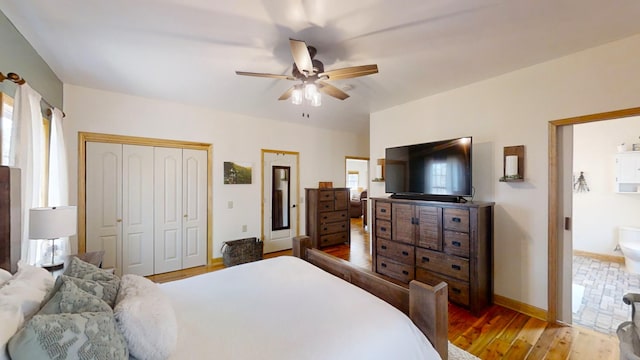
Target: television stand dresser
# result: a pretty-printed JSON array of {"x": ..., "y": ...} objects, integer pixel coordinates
[{"x": 434, "y": 241}]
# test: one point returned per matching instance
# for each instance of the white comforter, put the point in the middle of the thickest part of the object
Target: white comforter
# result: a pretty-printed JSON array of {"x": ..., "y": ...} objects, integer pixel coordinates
[{"x": 286, "y": 308}]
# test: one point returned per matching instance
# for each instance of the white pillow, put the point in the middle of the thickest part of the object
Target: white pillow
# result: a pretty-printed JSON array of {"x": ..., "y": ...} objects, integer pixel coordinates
[
  {"x": 35, "y": 276},
  {"x": 11, "y": 319},
  {"x": 27, "y": 289},
  {"x": 4, "y": 276},
  {"x": 145, "y": 317}
]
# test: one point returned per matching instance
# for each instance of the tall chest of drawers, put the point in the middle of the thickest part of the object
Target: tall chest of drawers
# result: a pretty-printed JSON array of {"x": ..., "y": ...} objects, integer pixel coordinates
[
  {"x": 328, "y": 220},
  {"x": 434, "y": 241}
]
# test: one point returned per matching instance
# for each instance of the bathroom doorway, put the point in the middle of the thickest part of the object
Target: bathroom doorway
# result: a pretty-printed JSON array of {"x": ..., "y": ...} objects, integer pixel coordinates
[{"x": 599, "y": 275}]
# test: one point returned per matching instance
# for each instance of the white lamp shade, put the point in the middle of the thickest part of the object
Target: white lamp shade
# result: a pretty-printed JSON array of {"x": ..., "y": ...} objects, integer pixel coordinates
[{"x": 52, "y": 222}]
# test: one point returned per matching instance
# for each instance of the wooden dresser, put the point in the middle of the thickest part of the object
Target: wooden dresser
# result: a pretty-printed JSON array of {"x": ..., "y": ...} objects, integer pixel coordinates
[
  {"x": 328, "y": 216},
  {"x": 436, "y": 241}
]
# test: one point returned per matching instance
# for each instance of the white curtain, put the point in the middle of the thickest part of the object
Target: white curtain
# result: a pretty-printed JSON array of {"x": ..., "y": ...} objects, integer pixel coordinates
[
  {"x": 58, "y": 184},
  {"x": 29, "y": 156}
]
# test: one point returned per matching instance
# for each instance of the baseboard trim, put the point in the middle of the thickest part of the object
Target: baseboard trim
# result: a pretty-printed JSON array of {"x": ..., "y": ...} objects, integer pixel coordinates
[
  {"x": 520, "y": 307},
  {"x": 601, "y": 257},
  {"x": 215, "y": 261}
]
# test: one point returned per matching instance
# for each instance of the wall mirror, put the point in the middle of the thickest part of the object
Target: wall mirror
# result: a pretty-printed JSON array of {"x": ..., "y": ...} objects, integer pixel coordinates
[{"x": 280, "y": 180}]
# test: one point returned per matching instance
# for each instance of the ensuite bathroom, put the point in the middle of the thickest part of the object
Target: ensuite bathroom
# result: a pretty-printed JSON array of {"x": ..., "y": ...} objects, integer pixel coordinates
[{"x": 605, "y": 222}]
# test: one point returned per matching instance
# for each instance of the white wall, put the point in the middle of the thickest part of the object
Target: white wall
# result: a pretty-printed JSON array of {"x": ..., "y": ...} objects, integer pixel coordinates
[
  {"x": 594, "y": 149},
  {"x": 234, "y": 138},
  {"x": 514, "y": 109}
]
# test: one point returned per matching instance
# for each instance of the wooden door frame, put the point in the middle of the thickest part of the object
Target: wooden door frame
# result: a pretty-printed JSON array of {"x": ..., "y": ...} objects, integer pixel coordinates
[
  {"x": 554, "y": 202},
  {"x": 285, "y": 152},
  {"x": 84, "y": 137}
]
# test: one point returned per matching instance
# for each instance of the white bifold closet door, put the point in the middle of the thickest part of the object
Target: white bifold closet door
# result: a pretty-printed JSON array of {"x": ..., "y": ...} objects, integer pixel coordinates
[
  {"x": 119, "y": 206},
  {"x": 146, "y": 207},
  {"x": 181, "y": 209}
]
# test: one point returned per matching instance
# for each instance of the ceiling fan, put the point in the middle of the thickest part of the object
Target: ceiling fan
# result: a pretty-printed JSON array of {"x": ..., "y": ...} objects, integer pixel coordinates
[{"x": 310, "y": 72}]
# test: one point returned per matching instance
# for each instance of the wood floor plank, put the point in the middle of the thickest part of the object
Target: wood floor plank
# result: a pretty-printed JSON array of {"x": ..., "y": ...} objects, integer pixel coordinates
[
  {"x": 543, "y": 345},
  {"x": 499, "y": 346},
  {"x": 560, "y": 347}
]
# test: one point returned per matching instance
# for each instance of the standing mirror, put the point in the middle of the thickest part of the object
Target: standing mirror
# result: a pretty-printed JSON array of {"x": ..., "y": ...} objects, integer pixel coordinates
[{"x": 280, "y": 215}]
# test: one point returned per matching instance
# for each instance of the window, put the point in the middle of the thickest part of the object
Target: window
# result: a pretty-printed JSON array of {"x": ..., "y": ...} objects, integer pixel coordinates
[
  {"x": 353, "y": 179},
  {"x": 6, "y": 109}
]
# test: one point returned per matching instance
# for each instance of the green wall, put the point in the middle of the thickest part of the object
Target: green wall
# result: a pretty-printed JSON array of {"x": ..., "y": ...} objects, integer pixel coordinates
[{"x": 18, "y": 56}]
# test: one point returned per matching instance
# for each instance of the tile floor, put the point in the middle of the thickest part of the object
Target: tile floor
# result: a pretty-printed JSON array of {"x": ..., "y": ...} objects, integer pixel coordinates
[{"x": 605, "y": 283}]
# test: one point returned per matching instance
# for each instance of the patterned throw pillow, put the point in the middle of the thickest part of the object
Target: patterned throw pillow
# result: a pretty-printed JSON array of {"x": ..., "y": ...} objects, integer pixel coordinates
[
  {"x": 83, "y": 270},
  {"x": 107, "y": 290},
  {"x": 71, "y": 299},
  {"x": 69, "y": 336}
]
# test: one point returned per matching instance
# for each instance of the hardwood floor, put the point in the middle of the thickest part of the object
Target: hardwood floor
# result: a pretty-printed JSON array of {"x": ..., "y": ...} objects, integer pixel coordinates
[{"x": 498, "y": 333}]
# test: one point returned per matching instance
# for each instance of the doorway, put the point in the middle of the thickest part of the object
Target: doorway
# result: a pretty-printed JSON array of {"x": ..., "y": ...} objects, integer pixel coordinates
[
  {"x": 559, "y": 215},
  {"x": 357, "y": 174},
  {"x": 280, "y": 189}
]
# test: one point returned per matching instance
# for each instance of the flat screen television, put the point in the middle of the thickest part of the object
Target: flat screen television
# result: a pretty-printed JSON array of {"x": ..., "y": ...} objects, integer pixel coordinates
[{"x": 435, "y": 170}]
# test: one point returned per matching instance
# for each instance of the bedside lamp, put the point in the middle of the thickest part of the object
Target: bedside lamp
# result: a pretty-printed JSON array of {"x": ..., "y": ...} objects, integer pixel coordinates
[{"x": 51, "y": 223}]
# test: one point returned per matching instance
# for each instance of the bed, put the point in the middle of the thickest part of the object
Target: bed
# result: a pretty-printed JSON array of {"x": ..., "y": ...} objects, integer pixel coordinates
[{"x": 286, "y": 308}]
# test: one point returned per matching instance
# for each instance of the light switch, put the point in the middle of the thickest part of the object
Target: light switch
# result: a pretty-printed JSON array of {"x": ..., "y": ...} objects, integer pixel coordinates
[
  {"x": 244, "y": 228},
  {"x": 230, "y": 205}
]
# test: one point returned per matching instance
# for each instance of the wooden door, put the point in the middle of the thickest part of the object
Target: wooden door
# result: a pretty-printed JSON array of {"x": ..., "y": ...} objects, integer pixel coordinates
[
  {"x": 194, "y": 208},
  {"x": 137, "y": 210},
  {"x": 429, "y": 234},
  {"x": 104, "y": 202},
  {"x": 168, "y": 209},
  {"x": 403, "y": 228}
]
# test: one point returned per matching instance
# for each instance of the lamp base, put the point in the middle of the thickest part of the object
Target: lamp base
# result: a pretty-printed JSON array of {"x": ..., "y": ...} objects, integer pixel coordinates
[{"x": 53, "y": 266}]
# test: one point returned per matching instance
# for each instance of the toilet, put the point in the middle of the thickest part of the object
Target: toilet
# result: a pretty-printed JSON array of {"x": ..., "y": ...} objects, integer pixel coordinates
[{"x": 629, "y": 241}]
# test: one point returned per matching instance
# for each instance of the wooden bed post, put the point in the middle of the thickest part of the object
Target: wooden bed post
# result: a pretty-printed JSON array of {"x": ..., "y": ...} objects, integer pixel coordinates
[
  {"x": 300, "y": 245},
  {"x": 422, "y": 300}
]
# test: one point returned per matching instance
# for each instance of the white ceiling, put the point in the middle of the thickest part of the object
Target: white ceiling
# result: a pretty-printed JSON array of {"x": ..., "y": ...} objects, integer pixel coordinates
[{"x": 187, "y": 50}]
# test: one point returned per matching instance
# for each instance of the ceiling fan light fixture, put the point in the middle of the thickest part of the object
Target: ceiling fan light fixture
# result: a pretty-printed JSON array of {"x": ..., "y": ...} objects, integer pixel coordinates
[
  {"x": 310, "y": 89},
  {"x": 296, "y": 96},
  {"x": 316, "y": 100}
]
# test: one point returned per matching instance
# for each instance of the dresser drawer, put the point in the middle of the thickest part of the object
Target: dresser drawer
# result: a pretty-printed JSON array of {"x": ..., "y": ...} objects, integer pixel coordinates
[
  {"x": 394, "y": 269},
  {"x": 325, "y": 206},
  {"x": 453, "y": 266},
  {"x": 326, "y": 195},
  {"x": 456, "y": 243},
  {"x": 333, "y": 239},
  {"x": 330, "y": 228},
  {"x": 458, "y": 290},
  {"x": 396, "y": 251},
  {"x": 333, "y": 216},
  {"x": 456, "y": 219},
  {"x": 383, "y": 210},
  {"x": 383, "y": 229}
]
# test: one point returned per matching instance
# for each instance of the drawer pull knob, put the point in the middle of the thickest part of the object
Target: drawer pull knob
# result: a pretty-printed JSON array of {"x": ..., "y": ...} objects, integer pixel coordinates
[
  {"x": 405, "y": 253},
  {"x": 325, "y": 228},
  {"x": 383, "y": 265},
  {"x": 326, "y": 217},
  {"x": 456, "y": 267},
  {"x": 343, "y": 215},
  {"x": 456, "y": 243},
  {"x": 456, "y": 219},
  {"x": 384, "y": 247},
  {"x": 383, "y": 210},
  {"x": 457, "y": 291},
  {"x": 425, "y": 259},
  {"x": 382, "y": 228},
  {"x": 405, "y": 272}
]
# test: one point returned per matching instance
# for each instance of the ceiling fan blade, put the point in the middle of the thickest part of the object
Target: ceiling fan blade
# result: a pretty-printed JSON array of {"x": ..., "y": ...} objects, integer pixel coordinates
[
  {"x": 287, "y": 94},
  {"x": 332, "y": 91},
  {"x": 274, "y": 76},
  {"x": 349, "y": 72},
  {"x": 301, "y": 56}
]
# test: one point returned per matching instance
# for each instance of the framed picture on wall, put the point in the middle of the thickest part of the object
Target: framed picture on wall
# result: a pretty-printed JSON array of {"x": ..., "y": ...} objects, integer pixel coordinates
[{"x": 237, "y": 172}]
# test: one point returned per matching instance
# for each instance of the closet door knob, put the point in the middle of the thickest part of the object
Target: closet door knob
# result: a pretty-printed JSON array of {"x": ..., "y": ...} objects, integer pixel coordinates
[
  {"x": 185, "y": 215},
  {"x": 118, "y": 220}
]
